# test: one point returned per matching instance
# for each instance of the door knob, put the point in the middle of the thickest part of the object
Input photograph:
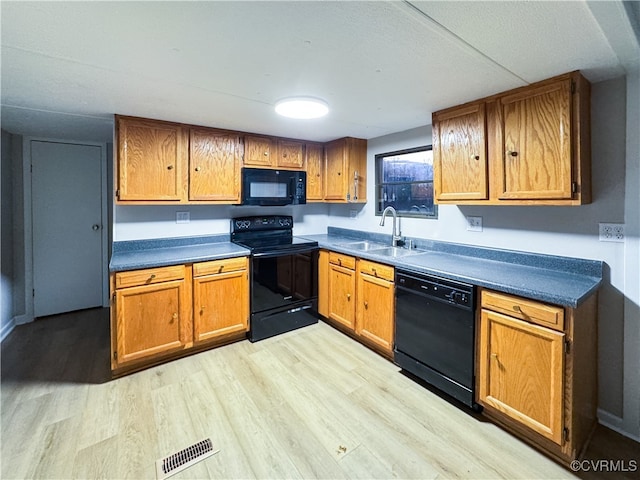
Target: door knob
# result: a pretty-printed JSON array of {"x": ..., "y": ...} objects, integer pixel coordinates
[{"x": 95, "y": 227}]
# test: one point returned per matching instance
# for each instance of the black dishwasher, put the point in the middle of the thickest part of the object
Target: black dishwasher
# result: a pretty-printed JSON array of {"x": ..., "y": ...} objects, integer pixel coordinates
[{"x": 435, "y": 333}]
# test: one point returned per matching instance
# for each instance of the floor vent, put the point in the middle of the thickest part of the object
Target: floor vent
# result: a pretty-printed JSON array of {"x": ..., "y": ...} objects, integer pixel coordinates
[{"x": 176, "y": 462}]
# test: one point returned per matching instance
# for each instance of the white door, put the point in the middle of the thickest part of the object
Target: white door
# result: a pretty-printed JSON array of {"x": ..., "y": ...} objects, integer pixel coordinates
[{"x": 66, "y": 189}]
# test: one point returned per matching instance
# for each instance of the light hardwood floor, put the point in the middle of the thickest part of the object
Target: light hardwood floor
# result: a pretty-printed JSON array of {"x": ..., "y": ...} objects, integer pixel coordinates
[{"x": 307, "y": 404}]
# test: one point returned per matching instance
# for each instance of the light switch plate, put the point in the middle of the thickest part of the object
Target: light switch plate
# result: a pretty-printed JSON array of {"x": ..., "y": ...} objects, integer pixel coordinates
[
  {"x": 611, "y": 232},
  {"x": 474, "y": 224},
  {"x": 183, "y": 217}
]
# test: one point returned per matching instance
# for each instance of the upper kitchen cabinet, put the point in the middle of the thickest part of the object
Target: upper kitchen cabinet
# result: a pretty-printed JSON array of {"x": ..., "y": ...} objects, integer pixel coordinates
[
  {"x": 345, "y": 170},
  {"x": 214, "y": 166},
  {"x": 315, "y": 167},
  {"x": 258, "y": 151},
  {"x": 273, "y": 152},
  {"x": 460, "y": 153},
  {"x": 290, "y": 155},
  {"x": 151, "y": 160},
  {"x": 537, "y": 146}
]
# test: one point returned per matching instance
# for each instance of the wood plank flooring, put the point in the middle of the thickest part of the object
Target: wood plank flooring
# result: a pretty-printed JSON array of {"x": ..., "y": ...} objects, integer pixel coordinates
[{"x": 307, "y": 404}]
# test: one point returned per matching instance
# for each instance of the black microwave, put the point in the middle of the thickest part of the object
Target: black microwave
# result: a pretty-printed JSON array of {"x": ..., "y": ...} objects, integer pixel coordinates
[{"x": 267, "y": 186}]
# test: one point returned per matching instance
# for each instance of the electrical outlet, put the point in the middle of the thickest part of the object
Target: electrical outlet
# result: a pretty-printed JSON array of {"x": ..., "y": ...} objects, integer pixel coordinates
[
  {"x": 353, "y": 213},
  {"x": 474, "y": 224},
  {"x": 183, "y": 217},
  {"x": 611, "y": 232}
]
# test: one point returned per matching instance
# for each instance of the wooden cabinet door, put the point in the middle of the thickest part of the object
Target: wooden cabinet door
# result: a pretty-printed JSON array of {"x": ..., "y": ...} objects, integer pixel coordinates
[
  {"x": 536, "y": 133},
  {"x": 315, "y": 164},
  {"x": 214, "y": 166},
  {"x": 460, "y": 153},
  {"x": 290, "y": 155},
  {"x": 375, "y": 310},
  {"x": 151, "y": 320},
  {"x": 521, "y": 372},
  {"x": 151, "y": 160},
  {"x": 220, "y": 305},
  {"x": 335, "y": 173},
  {"x": 258, "y": 152},
  {"x": 342, "y": 298}
]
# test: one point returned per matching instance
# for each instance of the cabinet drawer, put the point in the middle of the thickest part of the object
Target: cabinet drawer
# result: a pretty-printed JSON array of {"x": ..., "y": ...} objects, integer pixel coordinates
[
  {"x": 219, "y": 266},
  {"x": 376, "y": 269},
  {"x": 342, "y": 260},
  {"x": 148, "y": 276},
  {"x": 540, "y": 313}
]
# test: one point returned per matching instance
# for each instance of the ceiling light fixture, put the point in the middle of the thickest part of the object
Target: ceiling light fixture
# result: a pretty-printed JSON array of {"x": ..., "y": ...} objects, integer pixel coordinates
[{"x": 302, "y": 107}]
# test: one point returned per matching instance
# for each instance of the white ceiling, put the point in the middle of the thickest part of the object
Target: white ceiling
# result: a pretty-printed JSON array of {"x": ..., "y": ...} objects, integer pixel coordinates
[{"x": 383, "y": 67}]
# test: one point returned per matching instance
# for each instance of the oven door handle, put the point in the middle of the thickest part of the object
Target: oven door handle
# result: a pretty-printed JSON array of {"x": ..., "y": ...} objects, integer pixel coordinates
[{"x": 284, "y": 252}]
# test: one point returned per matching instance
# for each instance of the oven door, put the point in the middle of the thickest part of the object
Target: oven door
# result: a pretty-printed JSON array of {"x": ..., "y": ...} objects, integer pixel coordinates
[
  {"x": 283, "y": 279},
  {"x": 284, "y": 292}
]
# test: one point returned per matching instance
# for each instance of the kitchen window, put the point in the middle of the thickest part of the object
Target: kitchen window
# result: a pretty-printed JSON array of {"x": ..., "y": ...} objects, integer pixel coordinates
[{"x": 404, "y": 180}]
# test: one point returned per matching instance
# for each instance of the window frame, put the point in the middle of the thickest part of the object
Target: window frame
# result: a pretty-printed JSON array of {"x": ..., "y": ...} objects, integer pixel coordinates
[{"x": 378, "y": 183}]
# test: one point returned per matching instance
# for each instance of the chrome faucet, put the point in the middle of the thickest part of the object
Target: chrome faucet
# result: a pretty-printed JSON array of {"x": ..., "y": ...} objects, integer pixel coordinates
[{"x": 395, "y": 237}]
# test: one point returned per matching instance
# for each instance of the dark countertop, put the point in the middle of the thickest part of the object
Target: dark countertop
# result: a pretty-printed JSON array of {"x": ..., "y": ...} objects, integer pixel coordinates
[
  {"x": 562, "y": 281},
  {"x": 133, "y": 255}
]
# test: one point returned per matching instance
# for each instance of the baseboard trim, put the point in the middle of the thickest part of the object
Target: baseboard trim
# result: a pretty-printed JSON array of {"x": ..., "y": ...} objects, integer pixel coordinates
[
  {"x": 614, "y": 423},
  {"x": 7, "y": 329}
]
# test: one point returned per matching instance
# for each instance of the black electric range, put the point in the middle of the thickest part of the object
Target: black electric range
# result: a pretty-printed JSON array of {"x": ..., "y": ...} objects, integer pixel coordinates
[{"x": 284, "y": 274}]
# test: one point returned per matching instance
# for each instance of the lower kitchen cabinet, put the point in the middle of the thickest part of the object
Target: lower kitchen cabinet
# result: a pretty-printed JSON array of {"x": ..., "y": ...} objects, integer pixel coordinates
[
  {"x": 220, "y": 299},
  {"x": 537, "y": 372},
  {"x": 161, "y": 313},
  {"x": 375, "y": 312},
  {"x": 358, "y": 296},
  {"x": 153, "y": 317},
  {"x": 342, "y": 290}
]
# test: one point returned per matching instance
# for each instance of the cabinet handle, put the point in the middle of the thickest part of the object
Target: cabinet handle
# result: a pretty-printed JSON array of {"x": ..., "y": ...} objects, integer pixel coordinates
[
  {"x": 202, "y": 310},
  {"x": 366, "y": 305},
  {"x": 220, "y": 268},
  {"x": 517, "y": 308},
  {"x": 317, "y": 174},
  {"x": 152, "y": 276},
  {"x": 266, "y": 154},
  {"x": 374, "y": 272},
  {"x": 174, "y": 317},
  {"x": 348, "y": 296},
  {"x": 512, "y": 153},
  {"x": 339, "y": 173},
  {"x": 198, "y": 169},
  {"x": 170, "y": 167},
  {"x": 494, "y": 355},
  {"x": 284, "y": 155},
  {"x": 475, "y": 157}
]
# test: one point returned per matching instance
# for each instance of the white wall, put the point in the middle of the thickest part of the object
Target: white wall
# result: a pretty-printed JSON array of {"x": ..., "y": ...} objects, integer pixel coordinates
[
  {"x": 567, "y": 231},
  {"x": 143, "y": 222},
  {"x": 631, "y": 418},
  {"x": 6, "y": 238}
]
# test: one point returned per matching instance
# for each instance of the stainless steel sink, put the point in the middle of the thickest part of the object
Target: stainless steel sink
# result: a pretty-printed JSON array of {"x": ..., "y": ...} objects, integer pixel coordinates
[
  {"x": 393, "y": 252},
  {"x": 363, "y": 245}
]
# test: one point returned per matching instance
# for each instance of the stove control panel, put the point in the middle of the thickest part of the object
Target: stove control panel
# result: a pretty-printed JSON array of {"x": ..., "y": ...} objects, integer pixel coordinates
[{"x": 269, "y": 222}]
